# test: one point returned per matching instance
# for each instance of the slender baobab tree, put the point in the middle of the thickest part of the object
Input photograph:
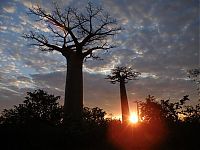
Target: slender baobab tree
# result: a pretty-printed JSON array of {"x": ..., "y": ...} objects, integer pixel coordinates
[
  {"x": 123, "y": 75},
  {"x": 77, "y": 34}
]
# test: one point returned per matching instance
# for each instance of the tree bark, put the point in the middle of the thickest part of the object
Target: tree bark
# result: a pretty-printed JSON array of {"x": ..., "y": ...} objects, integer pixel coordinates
[
  {"x": 124, "y": 103},
  {"x": 73, "y": 103}
]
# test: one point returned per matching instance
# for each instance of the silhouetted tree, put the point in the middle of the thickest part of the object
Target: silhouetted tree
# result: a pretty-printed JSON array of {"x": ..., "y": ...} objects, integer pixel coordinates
[
  {"x": 38, "y": 106},
  {"x": 94, "y": 115},
  {"x": 41, "y": 107},
  {"x": 123, "y": 75},
  {"x": 152, "y": 110},
  {"x": 192, "y": 114},
  {"x": 76, "y": 35},
  {"x": 171, "y": 111}
]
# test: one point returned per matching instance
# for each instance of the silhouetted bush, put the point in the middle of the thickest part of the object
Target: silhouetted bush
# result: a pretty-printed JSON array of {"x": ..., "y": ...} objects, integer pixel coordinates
[
  {"x": 37, "y": 124},
  {"x": 38, "y": 107},
  {"x": 169, "y": 112}
]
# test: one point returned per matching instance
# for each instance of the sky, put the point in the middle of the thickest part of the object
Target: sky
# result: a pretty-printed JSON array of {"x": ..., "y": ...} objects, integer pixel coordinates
[{"x": 160, "y": 39}]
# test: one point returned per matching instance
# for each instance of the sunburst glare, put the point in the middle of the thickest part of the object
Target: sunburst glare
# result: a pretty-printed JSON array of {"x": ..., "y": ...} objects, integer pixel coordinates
[{"x": 133, "y": 118}]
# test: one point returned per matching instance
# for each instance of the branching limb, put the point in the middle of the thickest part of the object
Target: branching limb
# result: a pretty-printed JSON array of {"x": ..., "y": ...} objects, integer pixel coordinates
[
  {"x": 89, "y": 51},
  {"x": 80, "y": 32},
  {"x": 42, "y": 42},
  {"x": 57, "y": 19}
]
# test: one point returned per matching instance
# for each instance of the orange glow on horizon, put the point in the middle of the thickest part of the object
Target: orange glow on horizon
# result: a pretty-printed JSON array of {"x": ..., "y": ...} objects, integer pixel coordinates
[{"x": 133, "y": 118}]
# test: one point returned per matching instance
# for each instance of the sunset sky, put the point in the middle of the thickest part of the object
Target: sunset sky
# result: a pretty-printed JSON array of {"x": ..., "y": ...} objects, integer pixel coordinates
[{"x": 160, "y": 39}]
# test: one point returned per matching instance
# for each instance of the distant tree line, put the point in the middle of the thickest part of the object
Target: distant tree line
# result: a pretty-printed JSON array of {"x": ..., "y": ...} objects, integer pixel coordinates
[
  {"x": 41, "y": 117},
  {"x": 169, "y": 112},
  {"x": 41, "y": 107}
]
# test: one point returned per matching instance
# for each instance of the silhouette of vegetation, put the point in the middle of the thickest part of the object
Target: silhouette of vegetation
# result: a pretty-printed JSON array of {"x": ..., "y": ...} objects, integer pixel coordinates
[
  {"x": 77, "y": 34},
  {"x": 164, "y": 125},
  {"x": 38, "y": 120},
  {"x": 176, "y": 112},
  {"x": 38, "y": 106},
  {"x": 37, "y": 124},
  {"x": 94, "y": 115},
  {"x": 152, "y": 110},
  {"x": 123, "y": 75},
  {"x": 41, "y": 107},
  {"x": 192, "y": 114}
]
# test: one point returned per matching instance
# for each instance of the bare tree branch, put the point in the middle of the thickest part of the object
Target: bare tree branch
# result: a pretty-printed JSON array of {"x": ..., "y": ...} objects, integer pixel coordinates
[
  {"x": 42, "y": 42},
  {"x": 56, "y": 21},
  {"x": 82, "y": 32}
]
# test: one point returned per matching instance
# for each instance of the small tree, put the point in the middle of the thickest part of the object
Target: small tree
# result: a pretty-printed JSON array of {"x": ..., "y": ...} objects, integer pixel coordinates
[
  {"x": 150, "y": 110},
  {"x": 155, "y": 111},
  {"x": 38, "y": 106},
  {"x": 94, "y": 115},
  {"x": 123, "y": 75},
  {"x": 76, "y": 35}
]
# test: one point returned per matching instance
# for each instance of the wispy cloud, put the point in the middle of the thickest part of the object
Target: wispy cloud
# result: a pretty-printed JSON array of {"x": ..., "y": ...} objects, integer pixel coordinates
[
  {"x": 9, "y": 9},
  {"x": 28, "y": 3},
  {"x": 160, "y": 40}
]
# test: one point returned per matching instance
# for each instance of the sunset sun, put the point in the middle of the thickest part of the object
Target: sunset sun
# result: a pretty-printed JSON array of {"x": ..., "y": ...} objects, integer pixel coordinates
[
  {"x": 97, "y": 74},
  {"x": 133, "y": 118}
]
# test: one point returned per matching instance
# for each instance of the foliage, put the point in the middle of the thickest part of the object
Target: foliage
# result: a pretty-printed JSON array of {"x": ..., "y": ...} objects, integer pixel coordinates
[
  {"x": 169, "y": 112},
  {"x": 98, "y": 133},
  {"x": 94, "y": 115},
  {"x": 194, "y": 74},
  {"x": 38, "y": 106},
  {"x": 192, "y": 114},
  {"x": 150, "y": 110},
  {"x": 172, "y": 111},
  {"x": 124, "y": 74}
]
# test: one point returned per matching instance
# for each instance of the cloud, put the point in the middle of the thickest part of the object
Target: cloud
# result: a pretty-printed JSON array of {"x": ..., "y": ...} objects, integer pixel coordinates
[
  {"x": 41, "y": 26},
  {"x": 160, "y": 40},
  {"x": 95, "y": 87},
  {"x": 28, "y": 4},
  {"x": 24, "y": 20},
  {"x": 17, "y": 29},
  {"x": 2, "y": 28},
  {"x": 9, "y": 9}
]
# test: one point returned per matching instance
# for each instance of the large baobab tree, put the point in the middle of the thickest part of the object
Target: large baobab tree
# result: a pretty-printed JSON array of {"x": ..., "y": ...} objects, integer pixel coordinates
[
  {"x": 77, "y": 34},
  {"x": 123, "y": 75}
]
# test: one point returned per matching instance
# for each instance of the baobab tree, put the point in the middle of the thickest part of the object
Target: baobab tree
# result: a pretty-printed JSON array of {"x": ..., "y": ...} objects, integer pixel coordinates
[
  {"x": 77, "y": 34},
  {"x": 123, "y": 75}
]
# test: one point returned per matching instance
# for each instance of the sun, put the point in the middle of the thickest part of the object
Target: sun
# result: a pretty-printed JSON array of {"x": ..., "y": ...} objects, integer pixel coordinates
[{"x": 133, "y": 118}]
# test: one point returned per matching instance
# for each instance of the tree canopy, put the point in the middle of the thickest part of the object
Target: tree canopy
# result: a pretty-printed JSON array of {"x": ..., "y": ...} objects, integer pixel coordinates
[
  {"x": 38, "y": 106},
  {"x": 78, "y": 30},
  {"x": 169, "y": 112},
  {"x": 124, "y": 74}
]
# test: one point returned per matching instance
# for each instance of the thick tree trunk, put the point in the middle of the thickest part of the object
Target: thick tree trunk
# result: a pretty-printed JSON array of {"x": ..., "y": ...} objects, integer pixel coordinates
[
  {"x": 124, "y": 103},
  {"x": 73, "y": 103}
]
